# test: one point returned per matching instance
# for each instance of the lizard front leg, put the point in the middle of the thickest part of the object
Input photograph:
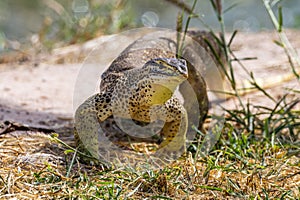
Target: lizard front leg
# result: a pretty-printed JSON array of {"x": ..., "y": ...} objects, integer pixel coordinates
[
  {"x": 175, "y": 127},
  {"x": 88, "y": 133}
]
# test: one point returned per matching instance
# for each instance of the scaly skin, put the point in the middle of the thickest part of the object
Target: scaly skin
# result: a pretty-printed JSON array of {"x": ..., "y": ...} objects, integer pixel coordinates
[{"x": 142, "y": 94}]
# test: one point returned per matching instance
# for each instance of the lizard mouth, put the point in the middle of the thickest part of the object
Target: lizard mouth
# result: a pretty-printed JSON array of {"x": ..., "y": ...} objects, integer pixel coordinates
[
  {"x": 172, "y": 75},
  {"x": 180, "y": 76},
  {"x": 169, "y": 81}
]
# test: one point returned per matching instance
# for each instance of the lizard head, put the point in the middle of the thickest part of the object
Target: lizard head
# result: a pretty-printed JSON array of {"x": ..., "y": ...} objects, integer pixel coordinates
[
  {"x": 167, "y": 69},
  {"x": 161, "y": 76}
]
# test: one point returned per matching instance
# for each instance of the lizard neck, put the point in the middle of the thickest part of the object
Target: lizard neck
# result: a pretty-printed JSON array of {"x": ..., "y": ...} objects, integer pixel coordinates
[{"x": 150, "y": 89}]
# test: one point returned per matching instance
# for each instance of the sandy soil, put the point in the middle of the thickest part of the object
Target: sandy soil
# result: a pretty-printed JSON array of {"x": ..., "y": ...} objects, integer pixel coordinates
[{"x": 41, "y": 91}]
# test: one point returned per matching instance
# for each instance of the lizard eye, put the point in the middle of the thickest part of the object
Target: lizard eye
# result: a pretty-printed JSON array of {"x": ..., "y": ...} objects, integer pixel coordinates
[{"x": 161, "y": 64}]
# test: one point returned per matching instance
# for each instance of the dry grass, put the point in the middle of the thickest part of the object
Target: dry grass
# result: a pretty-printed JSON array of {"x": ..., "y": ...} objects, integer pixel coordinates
[{"x": 34, "y": 167}]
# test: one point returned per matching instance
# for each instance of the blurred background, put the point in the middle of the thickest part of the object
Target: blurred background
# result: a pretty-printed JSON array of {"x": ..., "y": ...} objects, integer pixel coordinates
[{"x": 54, "y": 23}]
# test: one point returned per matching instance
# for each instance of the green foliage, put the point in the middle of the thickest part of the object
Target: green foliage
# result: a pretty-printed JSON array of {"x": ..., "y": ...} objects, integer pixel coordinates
[{"x": 79, "y": 25}]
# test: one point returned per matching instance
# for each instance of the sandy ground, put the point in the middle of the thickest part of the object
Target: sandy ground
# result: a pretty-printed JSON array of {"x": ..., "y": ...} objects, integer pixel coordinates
[{"x": 44, "y": 92}]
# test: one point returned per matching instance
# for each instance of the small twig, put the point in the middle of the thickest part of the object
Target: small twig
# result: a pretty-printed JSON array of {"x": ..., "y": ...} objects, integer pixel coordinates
[
  {"x": 9, "y": 126},
  {"x": 71, "y": 164},
  {"x": 178, "y": 34},
  {"x": 187, "y": 25},
  {"x": 182, "y": 6}
]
